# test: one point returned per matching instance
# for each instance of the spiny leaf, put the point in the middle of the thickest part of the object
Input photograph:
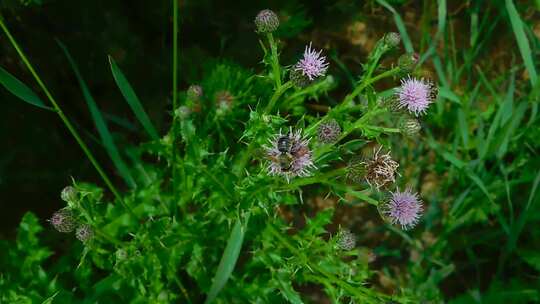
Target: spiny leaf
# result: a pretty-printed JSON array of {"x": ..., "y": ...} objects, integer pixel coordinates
[
  {"x": 101, "y": 126},
  {"x": 132, "y": 99},
  {"x": 19, "y": 89}
]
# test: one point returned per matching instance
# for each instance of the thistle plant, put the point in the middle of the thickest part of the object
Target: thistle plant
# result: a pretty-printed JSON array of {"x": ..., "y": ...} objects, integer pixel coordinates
[{"x": 205, "y": 193}]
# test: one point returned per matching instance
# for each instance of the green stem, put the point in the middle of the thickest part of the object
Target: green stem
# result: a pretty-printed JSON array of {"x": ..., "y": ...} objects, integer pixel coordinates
[
  {"x": 63, "y": 117},
  {"x": 175, "y": 105},
  {"x": 279, "y": 91},
  {"x": 275, "y": 60},
  {"x": 368, "y": 82}
]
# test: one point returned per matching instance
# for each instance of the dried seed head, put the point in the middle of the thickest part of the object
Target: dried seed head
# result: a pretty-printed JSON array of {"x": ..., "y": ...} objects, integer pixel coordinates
[
  {"x": 403, "y": 208},
  {"x": 416, "y": 95},
  {"x": 63, "y": 220},
  {"x": 407, "y": 62},
  {"x": 266, "y": 21},
  {"x": 391, "y": 40},
  {"x": 329, "y": 131},
  {"x": 346, "y": 240},
  {"x": 289, "y": 155},
  {"x": 380, "y": 169},
  {"x": 84, "y": 233},
  {"x": 69, "y": 194},
  {"x": 312, "y": 65},
  {"x": 410, "y": 127}
]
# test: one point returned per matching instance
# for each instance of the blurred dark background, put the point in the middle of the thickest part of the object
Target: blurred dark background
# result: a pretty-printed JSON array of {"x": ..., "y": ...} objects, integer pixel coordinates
[{"x": 39, "y": 157}]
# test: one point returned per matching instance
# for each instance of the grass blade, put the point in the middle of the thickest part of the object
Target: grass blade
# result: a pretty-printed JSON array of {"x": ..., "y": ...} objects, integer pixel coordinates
[
  {"x": 19, "y": 89},
  {"x": 101, "y": 126},
  {"x": 523, "y": 43},
  {"x": 400, "y": 25},
  {"x": 131, "y": 98},
  {"x": 228, "y": 259}
]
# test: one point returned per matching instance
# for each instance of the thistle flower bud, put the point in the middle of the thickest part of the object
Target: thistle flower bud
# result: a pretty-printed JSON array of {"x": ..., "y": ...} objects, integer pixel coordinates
[
  {"x": 346, "y": 240},
  {"x": 68, "y": 194},
  {"x": 407, "y": 62},
  {"x": 391, "y": 103},
  {"x": 329, "y": 132},
  {"x": 63, "y": 220},
  {"x": 266, "y": 21},
  {"x": 121, "y": 254},
  {"x": 391, "y": 40},
  {"x": 224, "y": 102},
  {"x": 299, "y": 79},
  {"x": 356, "y": 169},
  {"x": 84, "y": 233},
  {"x": 194, "y": 92},
  {"x": 182, "y": 112},
  {"x": 410, "y": 127}
]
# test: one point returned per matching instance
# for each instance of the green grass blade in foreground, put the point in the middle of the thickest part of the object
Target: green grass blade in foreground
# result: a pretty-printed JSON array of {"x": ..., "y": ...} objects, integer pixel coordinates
[
  {"x": 400, "y": 25},
  {"x": 101, "y": 126},
  {"x": 228, "y": 259},
  {"x": 19, "y": 89},
  {"x": 131, "y": 98},
  {"x": 523, "y": 43}
]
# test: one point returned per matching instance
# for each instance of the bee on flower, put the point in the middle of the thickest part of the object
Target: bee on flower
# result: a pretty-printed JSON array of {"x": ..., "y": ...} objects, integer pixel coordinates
[{"x": 289, "y": 155}]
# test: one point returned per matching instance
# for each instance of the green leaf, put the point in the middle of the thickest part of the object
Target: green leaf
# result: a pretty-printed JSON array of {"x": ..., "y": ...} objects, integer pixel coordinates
[
  {"x": 50, "y": 299},
  {"x": 523, "y": 43},
  {"x": 131, "y": 98},
  {"x": 228, "y": 259},
  {"x": 101, "y": 126},
  {"x": 19, "y": 89}
]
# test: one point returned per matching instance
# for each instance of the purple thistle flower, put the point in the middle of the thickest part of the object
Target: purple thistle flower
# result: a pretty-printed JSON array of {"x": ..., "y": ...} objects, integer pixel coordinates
[
  {"x": 403, "y": 208},
  {"x": 289, "y": 155},
  {"x": 416, "y": 95},
  {"x": 313, "y": 64}
]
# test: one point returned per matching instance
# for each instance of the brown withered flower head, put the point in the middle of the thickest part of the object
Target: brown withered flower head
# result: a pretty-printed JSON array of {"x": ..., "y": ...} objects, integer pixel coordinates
[{"x": 380, "y": 169}]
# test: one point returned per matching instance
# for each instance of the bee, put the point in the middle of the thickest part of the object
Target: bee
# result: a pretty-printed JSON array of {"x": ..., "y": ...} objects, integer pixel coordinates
[
  {"x": 285, "y": 162},
  {"x": 284, "y": 144}
]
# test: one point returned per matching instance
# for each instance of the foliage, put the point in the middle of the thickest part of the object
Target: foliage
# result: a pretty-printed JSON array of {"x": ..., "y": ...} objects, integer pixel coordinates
[{"x": 204, "y": 220}]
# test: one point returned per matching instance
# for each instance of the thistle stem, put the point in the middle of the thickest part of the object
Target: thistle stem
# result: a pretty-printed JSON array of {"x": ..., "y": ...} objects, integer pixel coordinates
[
  {"x": 63, "y": 117},
  {"x": 275, "y": 60},
  {"x": 175, "y": 105}
]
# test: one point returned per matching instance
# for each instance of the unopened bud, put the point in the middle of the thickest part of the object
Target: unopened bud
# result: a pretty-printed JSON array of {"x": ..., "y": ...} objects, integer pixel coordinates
[
  {"x": 410, "y": 127},
  {"x": 266, "y": 21},
  {"x": 68, "y": 194},
  {"x": 391, "y": 40},
  {"x": 63, "y": 220},
  {"x": 84, "y": 233},
  {"x": 407, "y": 62}
]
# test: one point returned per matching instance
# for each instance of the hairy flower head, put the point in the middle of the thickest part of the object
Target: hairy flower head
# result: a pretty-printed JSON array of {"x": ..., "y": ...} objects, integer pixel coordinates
[
  {"x": 380, "y": 169},
  {"x": 289, "y": 155},
  {"x": 313, "y": 64},
  {"x": 84, "y": 233},
  {"x": 329, "y": 131},
  {"x": 63, "y": 220},
  {"x": 403, "y": 208},
  {"x": 416, "y": 95},
  {"x": 266, "y": 21},
  {"x": 346, "y": 240}
]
